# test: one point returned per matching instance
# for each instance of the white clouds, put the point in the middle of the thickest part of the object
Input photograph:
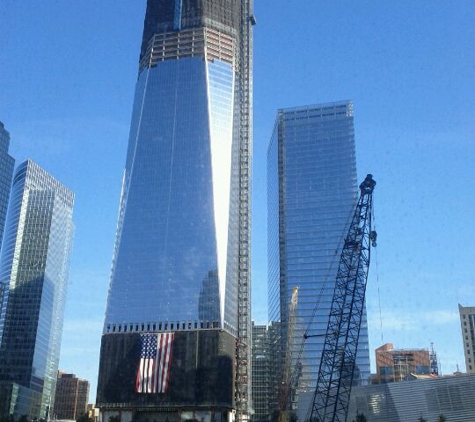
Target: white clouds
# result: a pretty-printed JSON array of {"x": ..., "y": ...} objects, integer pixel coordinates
[
  {"x": 441, "y": 317},
  {"x": 415, "y": 320},
  {"x": 419, "y": 328},
  {"x": 398, "y": 322}
]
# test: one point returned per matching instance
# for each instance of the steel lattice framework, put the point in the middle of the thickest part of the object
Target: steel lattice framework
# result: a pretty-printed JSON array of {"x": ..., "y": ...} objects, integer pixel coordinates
[
  {"x": 337, "y": 366},
  {"x": 243, "y": 349}
]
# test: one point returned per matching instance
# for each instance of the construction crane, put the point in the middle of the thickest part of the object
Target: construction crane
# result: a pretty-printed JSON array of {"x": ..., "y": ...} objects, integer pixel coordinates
[
  {"x": 337, "y": 366},
  {"x": 286, "y": 386}
]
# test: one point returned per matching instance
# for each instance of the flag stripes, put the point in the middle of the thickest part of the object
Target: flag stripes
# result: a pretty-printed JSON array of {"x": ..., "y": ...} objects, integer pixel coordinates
[{"x": 153, "y": 370}]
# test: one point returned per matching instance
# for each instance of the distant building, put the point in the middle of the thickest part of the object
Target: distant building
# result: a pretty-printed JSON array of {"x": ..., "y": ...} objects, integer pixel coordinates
[
  {"x": 451, "y": 396},
  {"x": 6, "y": 173},
  {"x": 434, "y": 362},
  {"x": 71, "y": 396},
  {"x": 277, "y": 360},
  {"x": 467, "y": 322},
  {"x": 395, "y": 365},
  {"x": 261, "y": 366},
  {"x": 34, "y": 265},
  {"x": 93, "y": 412}
]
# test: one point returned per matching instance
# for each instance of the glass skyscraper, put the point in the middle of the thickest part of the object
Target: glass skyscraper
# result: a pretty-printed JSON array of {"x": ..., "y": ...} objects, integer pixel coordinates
[
  {"x": 181, "y": 261},
  {"x": 34, "y": 270},
  {"x": 6, "y": 173},
  {"x": 312, "y": 191}
]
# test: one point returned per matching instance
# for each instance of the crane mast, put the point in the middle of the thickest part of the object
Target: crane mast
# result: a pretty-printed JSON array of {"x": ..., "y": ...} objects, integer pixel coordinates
[{"x": 337, "y": 366}]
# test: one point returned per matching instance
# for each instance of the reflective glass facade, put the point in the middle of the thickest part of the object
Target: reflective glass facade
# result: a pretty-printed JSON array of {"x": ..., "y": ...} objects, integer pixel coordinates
[
  {"x": 6, "y": 173},
  {"x": 173, "y": 233},
  {"x": 311, "y": 196},
  {"x": 181, "y": 260},
  {"x": 174, "y": 229},
  {"x": 34, "y": 270}
]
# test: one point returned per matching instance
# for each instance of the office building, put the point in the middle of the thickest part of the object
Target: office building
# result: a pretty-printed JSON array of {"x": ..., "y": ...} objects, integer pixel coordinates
[
  {"x": 312, "y": 192},
  {"x": 467, "y": 323},
  {"x": 34, "y": 270},
  {"x": 180, "y": 283},
  {"x": 6, "y": 173},
  {"x": 71, "y": 396},
  {"x": 261, "y": 373},
  {"x": 393, "y": 365},
  {"x": 450, "y": 396},
  {"x": 93, "y": 412}
]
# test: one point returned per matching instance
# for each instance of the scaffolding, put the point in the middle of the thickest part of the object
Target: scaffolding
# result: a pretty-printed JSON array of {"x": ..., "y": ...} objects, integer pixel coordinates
[{"x": 243, "y": 349}]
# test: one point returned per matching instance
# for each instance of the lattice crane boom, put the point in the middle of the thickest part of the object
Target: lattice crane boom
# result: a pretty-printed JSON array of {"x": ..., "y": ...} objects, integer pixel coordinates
[{"x": 338, "y": 363}]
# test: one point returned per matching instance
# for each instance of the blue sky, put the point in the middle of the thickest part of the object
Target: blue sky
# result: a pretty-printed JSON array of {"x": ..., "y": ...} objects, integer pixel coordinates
[{"x": 67, "y": 75}]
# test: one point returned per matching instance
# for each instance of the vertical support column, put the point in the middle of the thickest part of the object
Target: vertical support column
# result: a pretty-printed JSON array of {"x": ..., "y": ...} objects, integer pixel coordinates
[{"x": 243, "y": 352}]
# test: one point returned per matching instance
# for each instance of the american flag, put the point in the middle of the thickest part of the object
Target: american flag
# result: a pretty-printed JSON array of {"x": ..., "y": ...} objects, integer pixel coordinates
[{"x": 155, "y": 360}]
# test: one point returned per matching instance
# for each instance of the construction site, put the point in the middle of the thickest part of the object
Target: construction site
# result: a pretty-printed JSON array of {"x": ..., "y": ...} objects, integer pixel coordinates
[{"x": 329, "y": 400}]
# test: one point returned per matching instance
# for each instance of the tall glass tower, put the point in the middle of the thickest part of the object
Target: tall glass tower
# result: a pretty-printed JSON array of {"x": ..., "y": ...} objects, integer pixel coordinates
[
  {"x": 34, "y": 270},
  {"x": 181, "y": 261},
  {"x": 312, "y": 191},
  {"x": 7, "y": 164},
  {"x": 6, "y": 173}
]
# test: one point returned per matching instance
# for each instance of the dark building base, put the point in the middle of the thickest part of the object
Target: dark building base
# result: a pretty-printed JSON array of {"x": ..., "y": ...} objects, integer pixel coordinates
[
  {"x": 164, "y": 416},
  {"x": 200, "y": 387}
]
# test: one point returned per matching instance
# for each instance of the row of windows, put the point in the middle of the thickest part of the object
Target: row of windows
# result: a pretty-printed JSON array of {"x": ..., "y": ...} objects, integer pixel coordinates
[
  {"x": 189, "y": 43},
  {"x": 162, "y": 326}
]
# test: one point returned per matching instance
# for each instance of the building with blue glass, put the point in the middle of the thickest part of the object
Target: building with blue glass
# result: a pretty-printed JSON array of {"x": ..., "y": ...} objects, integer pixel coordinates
[
  {"x": 312, "y": 191},
  {"x": 6, "y": 173},
  {"x": 181, "y": 260},
  {"x": 34, "y": 267},
  {"x": 7, "y": 164}
]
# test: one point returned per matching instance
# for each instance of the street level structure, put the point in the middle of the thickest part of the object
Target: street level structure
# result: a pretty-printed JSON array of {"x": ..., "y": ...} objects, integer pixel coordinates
[{"x": 426, "y": 399}]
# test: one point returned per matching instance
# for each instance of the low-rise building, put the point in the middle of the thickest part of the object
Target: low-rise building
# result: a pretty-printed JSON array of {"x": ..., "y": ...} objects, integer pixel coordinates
[
  {"x": 261, "y": 369},
  {"x": 93, "y": 412},
  {"x": 450, "y": 396},
  {"x": 71, "y": 397},
  {"x": 467, "y": 322},
  {"x": 394, "y": 365}
]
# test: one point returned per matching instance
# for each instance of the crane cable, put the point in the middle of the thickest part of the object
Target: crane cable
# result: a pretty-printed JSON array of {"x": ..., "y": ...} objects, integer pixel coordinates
[
  {"x": 377, "y": 280},
  {"x": 336, "y": 255}
]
